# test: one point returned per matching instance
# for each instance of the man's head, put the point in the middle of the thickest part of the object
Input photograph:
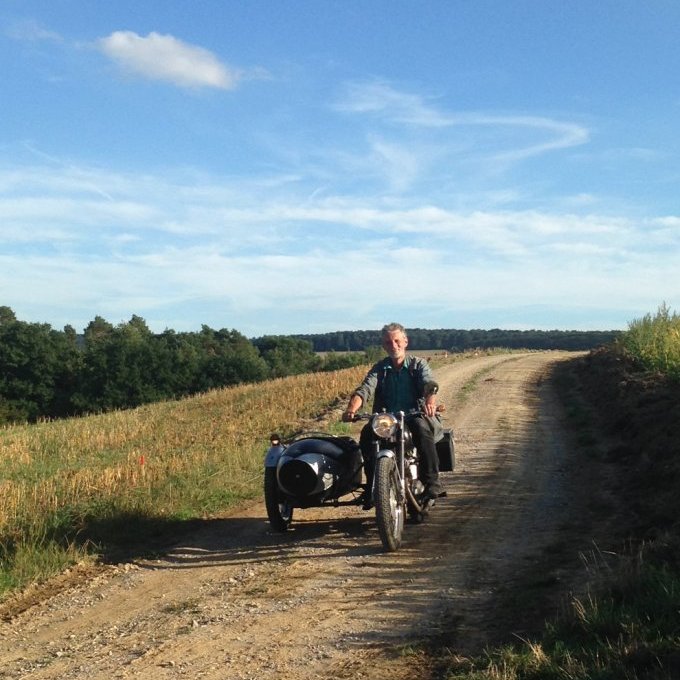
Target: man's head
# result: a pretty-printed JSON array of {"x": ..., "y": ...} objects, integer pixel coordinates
[{"x": 395, "y": 342}]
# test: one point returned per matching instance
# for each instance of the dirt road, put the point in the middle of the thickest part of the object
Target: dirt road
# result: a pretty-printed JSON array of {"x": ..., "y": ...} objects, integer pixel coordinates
[{"x": 324, "y": 601}]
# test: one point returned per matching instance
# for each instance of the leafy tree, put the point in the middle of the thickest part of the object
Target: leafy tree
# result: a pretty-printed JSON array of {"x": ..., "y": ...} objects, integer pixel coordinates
[
  {"x": 119, "y": 366},
  {"x": 228, "y": 358},
  {"x": 38, "y": 366},
  {"x": 178, "y": 363},
  {"x": 67, "y": 375},
  {"x": 97, "y": 329},
  {"x": 93, "y": 380},
  {"x": 287, "y": 355},
  {"x": 7, "y": 316},
  {"x": 334, "y": 361}
]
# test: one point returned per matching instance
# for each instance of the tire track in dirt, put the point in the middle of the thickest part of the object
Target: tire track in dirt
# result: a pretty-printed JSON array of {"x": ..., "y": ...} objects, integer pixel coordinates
[{"x": 323, "y": 600}]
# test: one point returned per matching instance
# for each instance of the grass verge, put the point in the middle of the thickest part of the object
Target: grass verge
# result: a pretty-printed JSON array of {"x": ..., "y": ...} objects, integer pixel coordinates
[{"x": 626, "y": 624}]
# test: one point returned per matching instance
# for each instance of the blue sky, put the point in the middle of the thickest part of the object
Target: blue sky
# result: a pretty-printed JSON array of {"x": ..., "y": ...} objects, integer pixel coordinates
[{"x": 311, "y": 166}]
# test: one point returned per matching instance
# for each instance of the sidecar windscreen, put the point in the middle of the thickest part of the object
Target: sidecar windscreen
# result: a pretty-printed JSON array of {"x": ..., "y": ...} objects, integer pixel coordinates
[{"x": 337, "y": 448}]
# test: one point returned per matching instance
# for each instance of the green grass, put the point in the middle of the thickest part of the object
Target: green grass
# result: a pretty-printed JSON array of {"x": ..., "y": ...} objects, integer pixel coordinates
[
  {"x": 29, "y": 561},
  {"x": 629, "y": 630}
]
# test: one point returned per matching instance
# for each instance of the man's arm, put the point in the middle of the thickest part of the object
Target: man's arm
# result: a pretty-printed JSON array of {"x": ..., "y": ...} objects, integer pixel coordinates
[
  {"x": 427, "y": 377},
  {"x": 363, "y": 393},
  {"x": 355, "y": 402}
]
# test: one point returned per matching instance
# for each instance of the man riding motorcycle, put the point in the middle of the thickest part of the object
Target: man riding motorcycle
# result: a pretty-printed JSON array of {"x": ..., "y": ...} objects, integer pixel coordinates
[{"x": 401, "y": 382}]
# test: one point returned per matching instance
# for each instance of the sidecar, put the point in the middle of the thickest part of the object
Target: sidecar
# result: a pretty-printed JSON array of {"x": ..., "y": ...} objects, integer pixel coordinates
[{"x": 311, "y": 471}]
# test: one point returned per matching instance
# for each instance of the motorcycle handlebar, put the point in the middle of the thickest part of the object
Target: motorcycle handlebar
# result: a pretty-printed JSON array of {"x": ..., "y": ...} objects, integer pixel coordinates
[{"x": 412, "y": 412}]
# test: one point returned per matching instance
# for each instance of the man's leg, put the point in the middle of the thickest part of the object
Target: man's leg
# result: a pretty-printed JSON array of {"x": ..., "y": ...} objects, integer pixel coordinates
[
  {"x": 429, "y": 461},
  {"x": 366, "y": 442}
]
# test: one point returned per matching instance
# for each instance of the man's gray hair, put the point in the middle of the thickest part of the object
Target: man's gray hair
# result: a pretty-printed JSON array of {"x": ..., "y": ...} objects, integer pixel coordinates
[{"x": 392, "y": 328}]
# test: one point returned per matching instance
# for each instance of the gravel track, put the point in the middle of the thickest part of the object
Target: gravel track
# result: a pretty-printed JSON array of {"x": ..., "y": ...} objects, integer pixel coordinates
[{"x": 324, "y": 601}]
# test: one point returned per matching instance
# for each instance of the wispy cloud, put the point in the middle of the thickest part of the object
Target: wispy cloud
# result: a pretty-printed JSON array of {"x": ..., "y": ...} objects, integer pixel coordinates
[
  {"x": 561, "y": 134},
  {"x": 164, "y": 57},
  {"x": 31, "y": 31},
  {"x": 133, "y": 210},
  {"x": 385, "y": 102}
]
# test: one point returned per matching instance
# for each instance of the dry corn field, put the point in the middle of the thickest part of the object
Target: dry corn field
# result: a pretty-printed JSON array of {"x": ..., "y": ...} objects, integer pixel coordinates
[{"x": 174, "y": 458}]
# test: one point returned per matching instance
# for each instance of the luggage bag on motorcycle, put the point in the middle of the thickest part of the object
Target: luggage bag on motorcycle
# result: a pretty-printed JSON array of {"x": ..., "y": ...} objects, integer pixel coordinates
[{"x": 445, "y": 452}]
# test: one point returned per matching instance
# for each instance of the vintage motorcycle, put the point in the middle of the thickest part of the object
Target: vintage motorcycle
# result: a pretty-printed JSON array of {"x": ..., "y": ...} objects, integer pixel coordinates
[{"x": 317, "y": 469}]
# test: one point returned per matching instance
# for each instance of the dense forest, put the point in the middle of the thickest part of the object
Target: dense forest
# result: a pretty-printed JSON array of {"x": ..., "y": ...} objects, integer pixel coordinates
[
  {"x": 461, "y": 340},
  {"x": 46, "y": 373}
]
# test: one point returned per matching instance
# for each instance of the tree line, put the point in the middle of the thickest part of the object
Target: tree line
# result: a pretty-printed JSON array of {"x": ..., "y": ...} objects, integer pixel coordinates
[
  {"x": 46, "y": 373},
  {"x": 452, "y": 340}
]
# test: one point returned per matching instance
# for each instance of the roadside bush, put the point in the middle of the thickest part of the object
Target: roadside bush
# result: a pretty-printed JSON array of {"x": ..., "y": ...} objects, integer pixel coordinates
[{"x": 654, "y": 341}]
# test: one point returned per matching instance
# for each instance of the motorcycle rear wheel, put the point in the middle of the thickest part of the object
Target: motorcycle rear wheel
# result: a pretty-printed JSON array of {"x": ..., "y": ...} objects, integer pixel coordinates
[
  {"x": 389, "y": 512},
  {"x": 279, "y": 510}
]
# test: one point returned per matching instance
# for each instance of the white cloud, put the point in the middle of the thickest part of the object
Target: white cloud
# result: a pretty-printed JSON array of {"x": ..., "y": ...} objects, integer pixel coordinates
[
  {"x": 164, "y": 57},
  {"x": 173, "y": 247},
  {"x": 134, "y": 210},
  {"x": 670, "y": 221}
]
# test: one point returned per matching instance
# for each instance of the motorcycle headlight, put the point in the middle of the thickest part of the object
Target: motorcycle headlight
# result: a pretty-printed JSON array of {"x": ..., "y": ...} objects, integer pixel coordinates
[{"x": 384, "y": 425}]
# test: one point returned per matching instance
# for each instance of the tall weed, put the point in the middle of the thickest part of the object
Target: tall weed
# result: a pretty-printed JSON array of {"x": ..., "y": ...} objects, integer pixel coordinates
[{"x": 655, "y": 341}]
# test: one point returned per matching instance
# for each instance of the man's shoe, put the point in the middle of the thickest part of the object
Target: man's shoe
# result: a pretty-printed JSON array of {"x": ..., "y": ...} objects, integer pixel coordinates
[
  {"x": 366, "y": 500},
  {"x": 434, "y": 491}
]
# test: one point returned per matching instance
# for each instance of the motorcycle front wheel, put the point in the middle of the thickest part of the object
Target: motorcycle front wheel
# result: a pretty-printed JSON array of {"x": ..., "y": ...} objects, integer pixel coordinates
[
  {"x": 389, "y": 512},
  {"x": 279, "y": 510}
]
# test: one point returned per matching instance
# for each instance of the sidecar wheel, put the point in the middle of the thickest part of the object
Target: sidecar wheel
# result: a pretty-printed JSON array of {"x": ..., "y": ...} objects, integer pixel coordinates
[
  {"x": 279, "y": 510},
  {"x": 389, "y": 512}
]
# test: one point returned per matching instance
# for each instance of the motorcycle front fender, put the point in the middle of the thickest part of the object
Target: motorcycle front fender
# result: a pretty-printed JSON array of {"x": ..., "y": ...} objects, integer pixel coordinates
[
  {"x": 272, "y": 456},
  {"x": 385, "y": 453}
]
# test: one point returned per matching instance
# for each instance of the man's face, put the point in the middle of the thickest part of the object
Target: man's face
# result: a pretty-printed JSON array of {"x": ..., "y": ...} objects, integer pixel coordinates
[{"x": 395, "y": 343}]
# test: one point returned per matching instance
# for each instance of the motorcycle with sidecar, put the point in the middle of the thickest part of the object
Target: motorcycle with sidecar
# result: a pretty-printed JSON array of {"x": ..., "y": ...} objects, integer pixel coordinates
[{"x": 316, "y": 469}]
